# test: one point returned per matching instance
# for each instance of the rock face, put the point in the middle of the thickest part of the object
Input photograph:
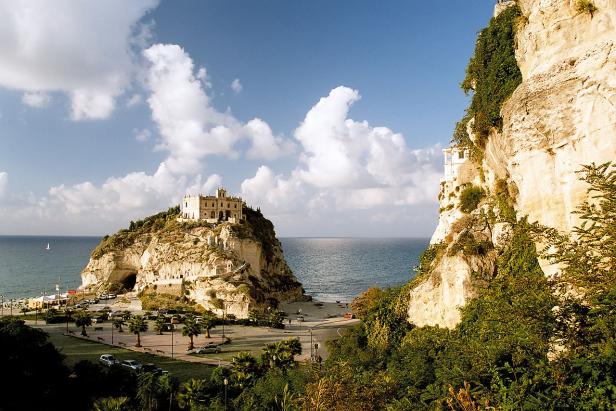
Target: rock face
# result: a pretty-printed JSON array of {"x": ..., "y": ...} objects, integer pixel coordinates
[
  {"x": 561, "y": 117},
  {"x": 224, "y": 267}
]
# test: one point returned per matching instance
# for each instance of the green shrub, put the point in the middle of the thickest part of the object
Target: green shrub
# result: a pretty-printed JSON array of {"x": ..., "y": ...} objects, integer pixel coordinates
[
  {"x": 586, "y": 6},
  {"x": 470, "y": 198},
  {"x": 492, "y": 74},
  {"x": 126, "y": 237}
]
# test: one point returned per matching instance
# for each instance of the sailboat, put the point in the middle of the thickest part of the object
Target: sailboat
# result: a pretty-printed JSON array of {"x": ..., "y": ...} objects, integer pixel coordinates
[{"x": 47, "y": 248}]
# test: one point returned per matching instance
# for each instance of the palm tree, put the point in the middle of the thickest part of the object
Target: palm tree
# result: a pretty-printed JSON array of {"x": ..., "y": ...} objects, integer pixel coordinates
[
  {"x": 207, "y": 323},
  {"x": 83, "y": 319},
  {"x": 118, "y": 322},
  {"x": 147, "y": 391},
  {"x": 192, "y": 394},
  {"x": 281, "y": 354},
  {"x": 159, "y": 325},
  {"x": 24, "y": 310},
  {"x": 244, "y": 368},
  {"x": 191, "y": 329},
  {"x": 112, "y": 404},
  {"x": 167, "y": 387},
  {"x": 253, "y": 316},
  {"x": 137, "y": 325}
]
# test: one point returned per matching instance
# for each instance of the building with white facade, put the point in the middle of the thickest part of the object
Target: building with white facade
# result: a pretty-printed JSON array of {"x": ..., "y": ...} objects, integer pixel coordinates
[{"x": 212, "y": 209}]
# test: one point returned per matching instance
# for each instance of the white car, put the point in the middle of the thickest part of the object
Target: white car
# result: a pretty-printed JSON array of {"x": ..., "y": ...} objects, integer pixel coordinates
[
  {"x": 131, "y": 365},
  {"x": 209, "y": 348},
  {"x": 108, "y": 360}
]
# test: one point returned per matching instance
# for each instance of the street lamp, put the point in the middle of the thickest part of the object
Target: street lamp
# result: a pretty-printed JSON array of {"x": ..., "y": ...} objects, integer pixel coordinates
[
  {"x": 226, "y": 381},
  {"x": 2, "y": 297},
  {"x": 224, "y": 315},
  {"x": 172, "y": 340}
]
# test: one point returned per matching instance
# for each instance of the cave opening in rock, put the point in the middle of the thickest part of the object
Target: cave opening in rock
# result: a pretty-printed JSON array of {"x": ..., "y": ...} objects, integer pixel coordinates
[{"x": 129, "y": 282}]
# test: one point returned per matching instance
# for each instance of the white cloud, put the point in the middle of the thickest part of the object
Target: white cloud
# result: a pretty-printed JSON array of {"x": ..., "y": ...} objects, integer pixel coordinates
[
  {"x": 4, "y": 179},
  {"x": 347, "y": 168},
  {"x": 135, "y": 195},
  {"x": 265, "y": 145},
  {"x": 189, "y": 126},
  {"x": 236, "y": 86},
  {"x": 134, "y": 100},
  {"x": 36, "y": 99},
  {"x": 272, "y": 191},
  {"x": 83, "y": 49},
  {"x": 142, "y": 135}
]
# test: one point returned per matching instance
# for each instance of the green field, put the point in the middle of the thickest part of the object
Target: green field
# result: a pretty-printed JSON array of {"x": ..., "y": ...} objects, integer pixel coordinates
[{"x": 76, "y": 349}]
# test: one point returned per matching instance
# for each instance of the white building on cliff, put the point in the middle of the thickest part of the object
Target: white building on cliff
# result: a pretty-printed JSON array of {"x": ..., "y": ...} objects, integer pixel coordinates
[{"x": 212, "y": 209}]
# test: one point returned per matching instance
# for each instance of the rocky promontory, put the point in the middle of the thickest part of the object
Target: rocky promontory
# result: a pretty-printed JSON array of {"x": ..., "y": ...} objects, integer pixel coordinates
[{"x": 223, "y": 267}]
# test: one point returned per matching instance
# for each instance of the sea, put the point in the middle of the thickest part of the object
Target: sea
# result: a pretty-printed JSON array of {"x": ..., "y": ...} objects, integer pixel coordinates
[{"x": 331, "y": 269}]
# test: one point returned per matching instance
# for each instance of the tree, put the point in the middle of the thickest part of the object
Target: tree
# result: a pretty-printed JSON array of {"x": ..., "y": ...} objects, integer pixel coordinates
[
  {"x": 276, "y": 318},
  {"x": 191, "y": 329},
  {"x": 148, "y": 391},
  {"x": 589, "y": 256},
  {"x": 118, "y": 322},
  {"x": 83, "y": 319},
  {"x": 112, "y": 404},
  {"x": 137, "y": 325},
  {"x": 207, "y": 323},
  {"x": 192, "y": 394},
  {"x": 168, "y": 387},
  {"x": 281, "y": 354},
  {"x": 253, "y": 316},
  {"x": 245, "y": 369},
  {"x": 33, "y": 375},
  {"x": 159, "y": 325}
]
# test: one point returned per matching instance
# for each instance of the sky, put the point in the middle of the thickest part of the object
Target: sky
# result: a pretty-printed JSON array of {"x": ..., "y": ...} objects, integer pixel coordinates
[{"x": 328, "y": 115}]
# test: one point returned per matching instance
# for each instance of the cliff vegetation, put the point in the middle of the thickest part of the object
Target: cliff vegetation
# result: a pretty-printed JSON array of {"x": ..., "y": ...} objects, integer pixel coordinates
[{"x": 492, "y": 75}]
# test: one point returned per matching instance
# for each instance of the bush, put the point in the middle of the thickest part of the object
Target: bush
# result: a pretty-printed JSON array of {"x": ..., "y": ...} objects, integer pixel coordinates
[
  {"x": 492, "y": 74},
  {"x": 585, "y": 6},
  {"x": 470, "y": 198}
]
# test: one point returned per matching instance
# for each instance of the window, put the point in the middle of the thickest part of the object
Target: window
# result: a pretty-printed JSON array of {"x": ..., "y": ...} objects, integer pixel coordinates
[
  {"x": 186, "y": 204},
  {"x": 460, "y": 154},
  {"x": 234, "y": 205}
]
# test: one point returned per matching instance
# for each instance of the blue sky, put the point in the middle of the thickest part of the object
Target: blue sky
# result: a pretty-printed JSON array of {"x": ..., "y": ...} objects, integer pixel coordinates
[{"x": 79, "y": 89}]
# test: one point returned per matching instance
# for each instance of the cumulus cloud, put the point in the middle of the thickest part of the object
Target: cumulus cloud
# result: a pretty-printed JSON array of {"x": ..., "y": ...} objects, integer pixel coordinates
[
  {"x": 265, "y": 145},
  {"x": 189, "y": 126},
  {"x": 236, "y": 86},
  {"x": 36, "y": 99},
  {"x": 273, "y": 191},
  {"x": 347, "y": 168},
  {"x": 83, "y": 49},
  {"x": 135, "y": 195}
]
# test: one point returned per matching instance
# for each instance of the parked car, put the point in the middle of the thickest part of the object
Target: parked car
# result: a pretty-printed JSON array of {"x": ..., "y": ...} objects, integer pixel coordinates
[
  {"x": 108, "y": 360},
  {"x": 153, "y": 368},
  {"x": 131, "y": 365},
  {"x": 349, "y": 315},
  {"x": 111, "y": 296},
  {"x": 208, "y": 348},
  {"x": 300, "y": 318}
]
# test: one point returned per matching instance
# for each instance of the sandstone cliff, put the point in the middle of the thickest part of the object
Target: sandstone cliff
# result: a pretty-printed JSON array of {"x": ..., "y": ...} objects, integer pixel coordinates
[
  {"x": 230, "y": 267},
  {"x": 561, "y": 116}
]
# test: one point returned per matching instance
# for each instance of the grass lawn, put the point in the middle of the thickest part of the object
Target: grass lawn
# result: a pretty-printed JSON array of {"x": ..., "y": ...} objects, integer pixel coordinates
[{"x": 76, "y": 349}]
